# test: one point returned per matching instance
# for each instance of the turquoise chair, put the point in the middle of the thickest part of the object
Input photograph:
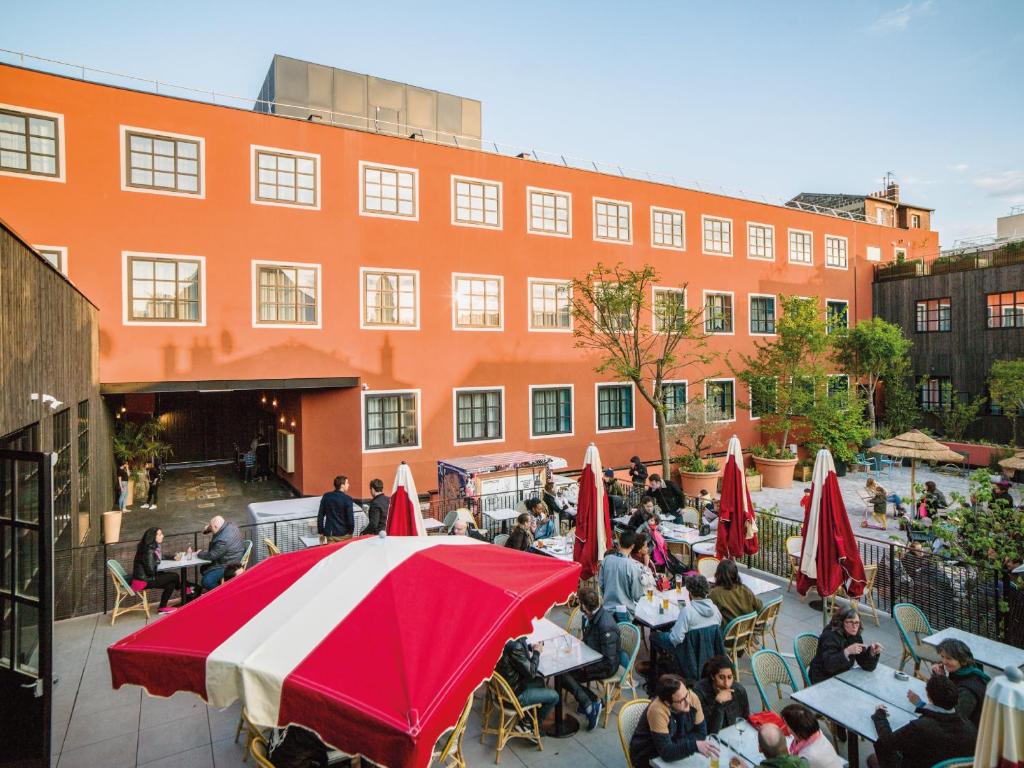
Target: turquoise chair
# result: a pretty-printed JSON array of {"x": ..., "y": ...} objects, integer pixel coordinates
[
  {"x": 913, "y": 625},
  {"x": 611, "y": 687},
  {"x": 771, "y": 669},
  {"x": 805, "y": 647},
  {"x": 956, "y": 762}
]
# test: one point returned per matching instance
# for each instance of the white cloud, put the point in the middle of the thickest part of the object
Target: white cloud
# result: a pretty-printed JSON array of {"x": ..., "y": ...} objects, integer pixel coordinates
[
  {"x": 898, "y": 19},
  {"x": 1008, "y": 185},
  {"x": 958, "y": 167}
]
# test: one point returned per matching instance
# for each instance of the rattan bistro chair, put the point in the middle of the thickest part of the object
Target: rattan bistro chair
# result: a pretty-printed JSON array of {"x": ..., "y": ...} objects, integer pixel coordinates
[
  {"x": 611, "y": 687},
  {"x": 737, "y": 636},
  {"x": 252, "y": 732},
  {"x": 629, "y": 719},
  {"x": 870, "y": 574},
  {"x": 450, "y": 752},
  {"x": 913, "y": 625},
  {"x": 771, "y": 669},
  {"x": 260, "y": 753},
  {"x": 500, "y": 539},
  {"x": 765, "y": 624},
  {"x": 707, "y": 566},
  {"x": 805, "y": 648},
  {"x": 247, "y": 554},
  {"x": 124, "y": 591},
  {"x": 510, "y": 713},
  {"x": 794, "y": 546},
  {"x": 271, "y": 548},
  {"x": 574, "y": 626}
]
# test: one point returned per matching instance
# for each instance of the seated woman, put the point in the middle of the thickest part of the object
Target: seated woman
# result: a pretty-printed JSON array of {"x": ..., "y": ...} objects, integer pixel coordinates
[
  {"x": 662, "y": 558},
  {"x": 642, "y": 554},
  {"x": 544, "y": 524},
  {"x": 934, "y": 500},
  {"x": 144, "y": 569},
  {"x": 521, "y": 537},
  {"x": 808, "y": 740},
  {"x": 723, "y": 699},
  {"x": 731, "y": 595},
  {"x": 840, "y": 646},
  {"x": 958, "y": 664},
  {"x": 672, "y": 727}
]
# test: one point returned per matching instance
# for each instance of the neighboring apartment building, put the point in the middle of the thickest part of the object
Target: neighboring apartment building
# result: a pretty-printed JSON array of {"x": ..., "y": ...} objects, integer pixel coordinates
[{"x": 378, "y": 298}]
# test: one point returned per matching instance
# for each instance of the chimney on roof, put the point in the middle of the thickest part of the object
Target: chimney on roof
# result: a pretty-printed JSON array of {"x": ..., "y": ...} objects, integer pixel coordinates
[{"x": 892, "y": 191}]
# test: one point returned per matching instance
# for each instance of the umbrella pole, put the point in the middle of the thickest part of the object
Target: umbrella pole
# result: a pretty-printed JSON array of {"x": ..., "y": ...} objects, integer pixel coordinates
[{"x": 913, "y": 466}]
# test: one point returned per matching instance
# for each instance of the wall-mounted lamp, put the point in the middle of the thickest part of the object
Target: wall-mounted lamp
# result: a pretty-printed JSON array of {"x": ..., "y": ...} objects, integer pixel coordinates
[
  {"x": 124, "y": 409},
  {"x": 274, "y": 402},
  {"x": 282, "y": 418},
  {"x": 293, "y": 423},
  {"x": 263, "y": 399}
]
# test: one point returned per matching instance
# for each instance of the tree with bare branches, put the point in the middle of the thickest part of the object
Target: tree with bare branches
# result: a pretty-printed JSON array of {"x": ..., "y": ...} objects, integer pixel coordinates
[{"x": 644, "y": 334}]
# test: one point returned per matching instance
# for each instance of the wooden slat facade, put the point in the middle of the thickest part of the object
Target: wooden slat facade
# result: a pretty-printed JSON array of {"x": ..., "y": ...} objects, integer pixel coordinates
[{"x": 966, "y": 352}]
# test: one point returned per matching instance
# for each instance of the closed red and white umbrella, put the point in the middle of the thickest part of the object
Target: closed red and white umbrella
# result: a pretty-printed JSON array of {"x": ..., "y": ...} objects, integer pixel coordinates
[
  {"x": 404, "y": 516},
  {"x": 737, "y": 527},
  {"x": 593, "y": 522},
  {"x": 1001, "y": 730},
  {"x": 373, "y": 643},
  {"x": 830, "y": 557}
]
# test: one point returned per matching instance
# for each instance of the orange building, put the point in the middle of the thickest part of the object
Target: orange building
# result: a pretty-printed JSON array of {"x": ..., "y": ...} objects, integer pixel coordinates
[{"x": 397, "y": 299}]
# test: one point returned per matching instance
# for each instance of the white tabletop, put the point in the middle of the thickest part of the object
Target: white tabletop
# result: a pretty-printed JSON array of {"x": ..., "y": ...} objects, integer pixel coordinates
[
  {"x": 562, "y": 652},
  {"x": 175, "y": 565},
  {"x": 731, "y": 743},
  {"x": 684, "y": 533},
  {"x": 882, "y": 684},
  {"x": 559, "y": 547},
  {"x": 647, "y": 611},
  {"x": 622, "y": 520},
  {"x": 431, "y": 524},
  {"x": 756, "y": 585},
  {"x": 705, "y": 548},
  {"x": 990, "y": 652},
  {"x": 501, "y": 514},
  {"x": 310, "y": 541},
  {"x": 850, "y": 707}
]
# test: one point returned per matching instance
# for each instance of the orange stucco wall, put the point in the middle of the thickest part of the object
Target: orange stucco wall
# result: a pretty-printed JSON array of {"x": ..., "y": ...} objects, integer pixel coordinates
[{"x": 91, "y": 215}]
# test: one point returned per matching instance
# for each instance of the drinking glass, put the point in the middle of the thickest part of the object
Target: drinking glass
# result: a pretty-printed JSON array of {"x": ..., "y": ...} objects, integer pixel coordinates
[
  {"x": 679, "y": 584},
  {"x": 650, "y": 594},
  {"x": 664, "y": 603},
  {"x": 741, "y": 726}
]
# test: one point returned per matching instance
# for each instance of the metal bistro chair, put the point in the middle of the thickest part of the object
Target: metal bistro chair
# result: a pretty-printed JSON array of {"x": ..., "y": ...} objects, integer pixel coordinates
[
  {"x": 252, "y": 732},
  {"x": 805, "y": 648},
  {"x": 611, "y": 687},
  {"x": 450, "y": 753},
  {"x": 771, "y": 669},
  {"x": 629, "y": 719},
  {"x": 765, "y": 624},
  {"x": 271, "y": 548},
  {"x": 707, "y": 566},
  {"x": 574, "y": 626},
  {"x": 794, "y": 546},
  {"x": 124, "y": 591},
  {"x": 690, "y": 516},
  {"x": 260, "y": 753},
  {"x": 500, "y": 539},
  {"x": 737, "y": 636},
  {"x": 911, "y": 621},
  {"x": 510, "y": 713}
]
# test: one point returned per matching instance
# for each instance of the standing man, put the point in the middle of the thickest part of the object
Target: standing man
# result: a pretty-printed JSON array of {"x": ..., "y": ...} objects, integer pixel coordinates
[
  {"x": 667, "y": 496},
  {"x": 620, "y": 579},
  {"x": 378, "y": 512},
  {"x": 249, "y": 460},
  {"x": 153, "y": 473},
  {"x": 335, "y": 520}
]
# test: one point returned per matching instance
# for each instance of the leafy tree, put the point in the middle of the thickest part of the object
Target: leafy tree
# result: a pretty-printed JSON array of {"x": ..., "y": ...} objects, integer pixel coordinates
[
  {"x": 867, "y": 353},
  {"x": 982, "y": 532},
  {"x": 1006, "y": 388},
  {"x": 838, "y": 422},
  {"x": 901, "y": 411},
  {"x": 700, "y": 431},
  {"x": 138, "y": 443},
  {"x": 786, "y": 375},
  {"x": 960, "y": 415},
  {"x": 643, "y": 335}
]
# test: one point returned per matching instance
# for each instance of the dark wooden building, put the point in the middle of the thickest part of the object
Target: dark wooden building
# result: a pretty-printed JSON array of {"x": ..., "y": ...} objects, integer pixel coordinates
[
  {"x": 962, "y": 314},
  {"x": 50, "y": 396}
]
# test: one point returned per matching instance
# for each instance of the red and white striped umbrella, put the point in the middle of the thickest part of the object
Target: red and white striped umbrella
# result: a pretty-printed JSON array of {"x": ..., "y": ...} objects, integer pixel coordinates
[
  {"x": 593, "y": 523},
  {"x": 404, "y": 517},
  {"x": 737, "y": 529},
  {"x": 373, "y": 643}
]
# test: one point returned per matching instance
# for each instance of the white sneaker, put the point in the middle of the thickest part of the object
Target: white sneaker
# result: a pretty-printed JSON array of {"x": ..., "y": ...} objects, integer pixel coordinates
[
  {"x": 144, "y": 506},
  {"x": 152, "y": 506}
]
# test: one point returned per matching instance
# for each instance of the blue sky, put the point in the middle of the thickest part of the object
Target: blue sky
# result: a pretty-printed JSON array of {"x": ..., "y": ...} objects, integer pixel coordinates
[{"x": 764, "y": 99}]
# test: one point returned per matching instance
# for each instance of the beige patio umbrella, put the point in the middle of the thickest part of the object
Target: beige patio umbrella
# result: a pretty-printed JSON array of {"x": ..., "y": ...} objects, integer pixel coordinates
[
  {"x": 915, "y": 445},
  {"x": 1001, "y": 731},
  {"x": 1014, "y": 462}
]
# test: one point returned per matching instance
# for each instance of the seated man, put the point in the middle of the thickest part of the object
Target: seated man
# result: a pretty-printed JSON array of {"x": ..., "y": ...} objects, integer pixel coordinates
[
  {"x": 601, "y": 634},
  {"x": 226, "y": 547},
  {"x": 697, "y": 634},
  {"x": 518, "y": 665},
  {"x": 621, "y": 578},
  {"x": 771, "y": 742},
  {"x": 462, "y": 528},
  {"x": 672, "y": 727},
  {"x": 937, "y": 735},
  {"x": 643, "y": 513}
]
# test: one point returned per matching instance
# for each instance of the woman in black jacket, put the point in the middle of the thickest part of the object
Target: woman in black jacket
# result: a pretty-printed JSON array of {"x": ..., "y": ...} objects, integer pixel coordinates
[
  {"x": 840, "y": 646},
  {"x": 521, "y": 537},
  {"x": 958, "y": 664},
  {"x": 722, "y": 699},
  {"x": 144, "y": 570}
]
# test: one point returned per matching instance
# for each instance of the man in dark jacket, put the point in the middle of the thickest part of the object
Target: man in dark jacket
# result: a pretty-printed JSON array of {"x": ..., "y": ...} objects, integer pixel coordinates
[
  {"x": 601, "y": 634},
  {"x": 937, "y": 735},
  {"x": 518, "y": 665},
  {"x": 335, "y": 520},
  {"x": 226, "y": 547},
  {"x": 667, "y": 496},
  {"x": 377, "y": 515}
]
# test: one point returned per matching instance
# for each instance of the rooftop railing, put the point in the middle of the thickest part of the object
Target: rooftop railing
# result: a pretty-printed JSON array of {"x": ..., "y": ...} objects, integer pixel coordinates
[{"x": 995, "y": 253}]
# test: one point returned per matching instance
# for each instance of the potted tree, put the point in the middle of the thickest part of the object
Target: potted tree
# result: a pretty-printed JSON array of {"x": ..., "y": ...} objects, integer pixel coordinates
[
  {"x": 838, "y": 422},
  {"x": 784, "y": 376},
  {"x": 698, "y": 433},
  {"x": 138, "y": 443}
]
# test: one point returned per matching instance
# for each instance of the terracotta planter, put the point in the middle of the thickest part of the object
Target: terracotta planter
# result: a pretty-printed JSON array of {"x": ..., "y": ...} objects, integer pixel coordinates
[
  {"x": 775, "y": 473},
  {"x": 753, "y": 483},
  {"x": 693, "y": 483},
  {"x": 978, "y": 454}
]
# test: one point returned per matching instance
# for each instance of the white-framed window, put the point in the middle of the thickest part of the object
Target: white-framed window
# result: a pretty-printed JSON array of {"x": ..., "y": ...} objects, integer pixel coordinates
[
  {"x": 613, "y": 220},
  {"x": 720, "y": 399},
  {"x": 31, "y": 143},
  {"x": 477, "y": 302},
  {"x": 837, "y": 314},
  {"x": 899, "y": 254},
  {"x": 618, "y": 319},
  {"x": 284, "y": 177},
  {"x": 836, "y": 255},
  {"x": 614, "y": 404},
  {"x": 801, "y": 247},
  {"x": 880, "y": 216},
  {"x": 760, "y": 241},
  {"x": 717, "y": 235},
  {"x": 762, "y": 314},
  {"x": 674, "y": 397},
  {"x": 391, "y": 420},
  {"x": 550, "y": 304},
  {"x": 669, "y": 309},
  {"x": 551, "y": 412},
  {"x": 548, "y": 212},
  {"x": 389, "y": 191},
  {"x": 668, "y": 228},
  {"x": 718, "y": 313},
  {"x": 162, "y": 163},
  {"x": 873, "y": 253},
  {"x": 163, "y": 289},
  {"x": 286, "y": 295},
  {"x": 915, "y": 221},
  {"x": 476, "y": 202},
  {"x": 838, "y": 382},
  {"x": 478, "y": 414},
  {"x": 389, "y": 299},
  {"x": 57, "y": 255}
]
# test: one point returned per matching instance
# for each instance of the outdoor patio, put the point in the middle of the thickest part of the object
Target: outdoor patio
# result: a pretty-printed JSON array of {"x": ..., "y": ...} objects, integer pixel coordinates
[{"x": 94, "y": 725}]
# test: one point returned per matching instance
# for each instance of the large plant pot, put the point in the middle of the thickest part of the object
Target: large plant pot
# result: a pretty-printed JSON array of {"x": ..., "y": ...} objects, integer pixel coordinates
[
  {"x": 112, "y": 527},
  {"x": 775, "y": 473},
  {"x": 693, "y": 483},
  {"x": 753, "y": 483}
]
